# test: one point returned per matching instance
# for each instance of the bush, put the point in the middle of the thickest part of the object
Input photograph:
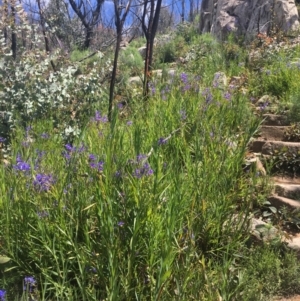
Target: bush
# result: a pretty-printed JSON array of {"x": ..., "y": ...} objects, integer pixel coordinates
[
  {"x": 166, "y": 53},
  {"x": 131, "y": 61}
]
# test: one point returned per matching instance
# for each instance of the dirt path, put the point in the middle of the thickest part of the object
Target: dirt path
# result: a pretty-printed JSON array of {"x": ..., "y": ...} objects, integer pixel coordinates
[{"x": 294, "y": 298}]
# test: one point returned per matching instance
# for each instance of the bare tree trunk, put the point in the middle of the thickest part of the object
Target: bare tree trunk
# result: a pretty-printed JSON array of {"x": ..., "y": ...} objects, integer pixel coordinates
[
  {"x": 13, "y": 33},
  {"x": 120, "y": 19},
  {"x": 149, "y": 29},
  {"x": 182, "y": 10},
  {"x": 88, "y": 38},
  {"x": 42, "y": 21},
  {"x": 5, "y": 34}
]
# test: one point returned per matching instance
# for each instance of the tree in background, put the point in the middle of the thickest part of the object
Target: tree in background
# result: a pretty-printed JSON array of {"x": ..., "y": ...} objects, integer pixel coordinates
[
  {"x": 166, "y": 20},
  {"x": 121, "y": 12},
  {"x": 67, "y": 28},
  {"x": 89, "y": 15},
  {"x": 150, "y": 20}
]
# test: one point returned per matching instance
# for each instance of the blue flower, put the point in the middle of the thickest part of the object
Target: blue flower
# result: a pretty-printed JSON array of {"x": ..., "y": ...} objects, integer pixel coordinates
[
  {"x": 162, "y": 141},
  {"x": 45, "y": 135},
  {"x": 227, "y": 96},
  {"x": 184, "y": 78},
  {"x": 2, "y": 295},
  {"x": 21, "y": 165},
  {"x": 43, "y": 182},
  {"x": 43, "y": 214},
  {"x": 97, "y": 165},
  {"x": 99, "y": 118},
  {"x": 145, "y": 170},
  {"x": 29, "y": 283}
]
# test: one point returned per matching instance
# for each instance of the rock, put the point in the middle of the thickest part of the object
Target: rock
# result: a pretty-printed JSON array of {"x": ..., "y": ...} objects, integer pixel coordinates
[
  {"x": 270, "y": 147},
  {"x": 280, "y": 201},
  {"x": 135, "y": 80},
  {"x": 291, "y": 191},
  {"x": 220, "y": 80},
  {"x": 274, "y": 133},
  {"x": 263, "y": 231},
  {"x": 172, "y": 72},
  {"x": 142, "y": 51},
  {"x": 255, "y": 161},
  {"x": 273, "y": 119},
  {"x": 247, "y": 17}
]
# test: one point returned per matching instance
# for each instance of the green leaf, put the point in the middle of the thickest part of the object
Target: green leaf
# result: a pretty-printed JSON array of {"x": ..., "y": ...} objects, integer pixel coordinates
[
  {"x": 273, "y": 209},
  {"x": 4, "y": 259}
]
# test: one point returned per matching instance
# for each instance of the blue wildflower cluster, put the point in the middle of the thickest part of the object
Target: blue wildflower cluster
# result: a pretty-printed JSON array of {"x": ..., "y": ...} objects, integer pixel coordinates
[
  {"x": 95, "y": 164},
  {"x": 2, "y": 295},
  {"x": 71, "y": 150},
  {"x": 98, "y": 118},
  {"x": 29, "y": 284},
  {"x": 143, "y": 167},
  {"x": 43, "y": 182},
  {"x": 21, "y": 165}
]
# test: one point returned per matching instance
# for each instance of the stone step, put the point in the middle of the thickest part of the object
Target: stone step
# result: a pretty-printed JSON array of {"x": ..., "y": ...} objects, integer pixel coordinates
[
  {"x": 285, "y": 180},
  {"x": 273, "y": 119},
  {"x": 280, "y": 201},
  {"x": 269, "y": 147},
  {"x": 291, "y": 191},
  {"x": 272, "y": 133},
  {"x": 257, "y": 145}
]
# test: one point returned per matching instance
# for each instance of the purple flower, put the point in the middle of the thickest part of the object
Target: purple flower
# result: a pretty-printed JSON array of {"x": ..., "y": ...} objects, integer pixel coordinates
[
  {"x": 129, "y": 122},
  {"x": 90, "y": 269},
  {"x": 43, "y": 182},
  {"x": 27, "y": 130},
  {"x": 152, "y": 87},
  {"x": 45, "y": 135},
  {"x": 97, "y": 165},
  {"x": 184, "y": 78},
  {"x": 208, "y": 96},
  {"x": 140, "y": 157},
  {"x": 121, "y": 223},
  {"x": 70, "y": 148},
  {"x": 2, "y": 295},
  {"x": 120, "y": 106},
  {"x": 99, "y": 118},
  {"x": 42, "y": 214},
  {"x": 2, "y": 139},
  {"x": 29, "y": 283},
  {"x": 21, "y": 165},
  {"x": 227, "y": 96},
  {"x": 118, "y": 174},
  {"x": 92, "y": 157},
  {"x": 145, "y": 170},
  {"x": 162, "y": 141}
]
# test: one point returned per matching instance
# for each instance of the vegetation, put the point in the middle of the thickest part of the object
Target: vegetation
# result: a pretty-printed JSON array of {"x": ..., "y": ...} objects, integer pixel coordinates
[{"x": 156, "y": 203}]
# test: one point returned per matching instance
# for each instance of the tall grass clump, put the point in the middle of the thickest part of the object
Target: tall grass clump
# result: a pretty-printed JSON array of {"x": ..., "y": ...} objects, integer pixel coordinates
[{"x": 142, "y": 208}]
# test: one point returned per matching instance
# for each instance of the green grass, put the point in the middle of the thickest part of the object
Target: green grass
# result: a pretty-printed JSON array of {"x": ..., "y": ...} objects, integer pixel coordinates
[{"x": 154, "y": 205}]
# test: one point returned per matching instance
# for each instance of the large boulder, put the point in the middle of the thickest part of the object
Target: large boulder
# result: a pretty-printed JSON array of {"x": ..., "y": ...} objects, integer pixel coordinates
[{"x": 247, "y": 17}]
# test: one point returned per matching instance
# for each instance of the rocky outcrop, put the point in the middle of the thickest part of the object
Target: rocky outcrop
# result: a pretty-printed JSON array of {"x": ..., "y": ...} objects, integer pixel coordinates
[{"x": 247, "y": 17}]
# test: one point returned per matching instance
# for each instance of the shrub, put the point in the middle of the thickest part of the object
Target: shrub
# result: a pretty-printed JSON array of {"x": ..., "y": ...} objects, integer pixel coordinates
[{"x": 131, "y": 61}]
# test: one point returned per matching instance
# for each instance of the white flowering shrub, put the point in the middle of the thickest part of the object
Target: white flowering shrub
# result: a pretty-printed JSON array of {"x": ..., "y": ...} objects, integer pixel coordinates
[{"x": 30, "y": 90}]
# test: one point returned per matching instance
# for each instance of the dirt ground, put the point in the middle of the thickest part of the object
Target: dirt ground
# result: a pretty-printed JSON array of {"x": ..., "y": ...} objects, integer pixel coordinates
[{"x": 294, "y": 298}]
